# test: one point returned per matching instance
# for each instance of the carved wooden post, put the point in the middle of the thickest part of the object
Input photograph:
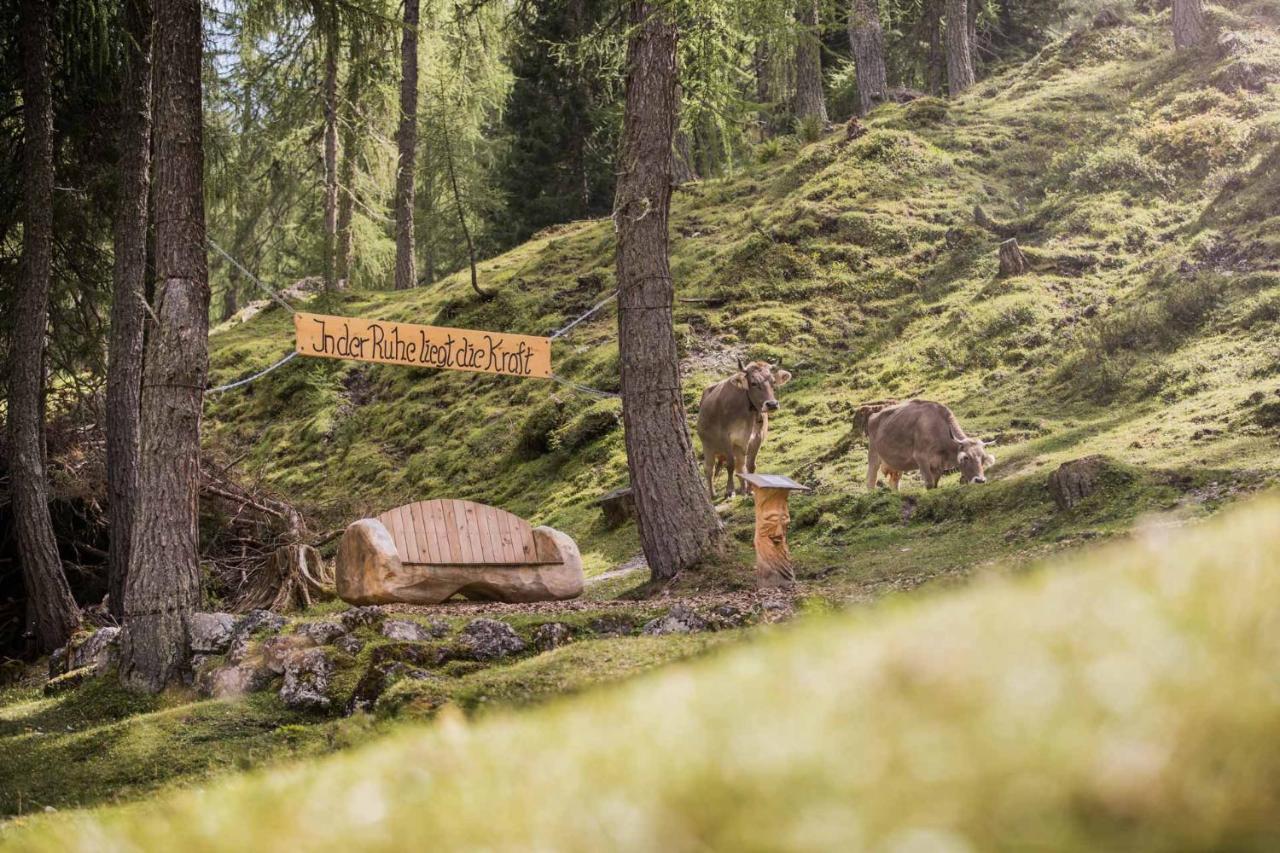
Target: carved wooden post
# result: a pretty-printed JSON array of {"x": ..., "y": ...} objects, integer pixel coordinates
[{"x": 773, "y": 558}]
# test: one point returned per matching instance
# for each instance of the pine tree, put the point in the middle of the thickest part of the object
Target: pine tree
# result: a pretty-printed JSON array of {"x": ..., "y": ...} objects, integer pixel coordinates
[
  {"x": 866, "y": 39},
  {"x": 407, "y": 143}
]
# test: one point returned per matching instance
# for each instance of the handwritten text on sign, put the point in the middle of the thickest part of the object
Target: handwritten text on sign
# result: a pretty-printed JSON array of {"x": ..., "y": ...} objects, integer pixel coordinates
[{"x": 422, "y": 346}]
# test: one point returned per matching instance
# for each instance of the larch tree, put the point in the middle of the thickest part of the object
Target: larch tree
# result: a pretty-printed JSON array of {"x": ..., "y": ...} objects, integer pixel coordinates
[
  {"x": 935, "y": 61},
  {"x": 810, "y": 101},
  {"x": 51, "y": 608},
  {"x": 959, "y": 50},
  {"x": 678, "y": 525},
  {"x": 866, "y": 40},
  {"x": 1189, "y": 28},
  {"x": 350, "y": 144},
  {"x": 407, "y": 143},
  {"x": 164, "y": 572},
  {"x": 328, "y": 22},
  {"x": 128, "y": 306}
]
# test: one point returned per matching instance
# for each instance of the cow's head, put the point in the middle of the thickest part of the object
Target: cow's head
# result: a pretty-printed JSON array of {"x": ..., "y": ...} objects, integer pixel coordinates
[
  {"x": 759, "y": 380},
  {"x": 972, "y": 459}
]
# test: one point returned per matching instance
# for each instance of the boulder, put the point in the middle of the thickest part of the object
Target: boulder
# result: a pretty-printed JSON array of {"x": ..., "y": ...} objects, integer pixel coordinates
[
  {"x": 98, "y": 649},
  {"x": 363, "y": 617},
  {"x": 307, "y": 676},
  {"x": 679, "y": 620},
  {"x": 1074, "y": 481},
  {"x": 412, "y": 653},
  {"x": 276, "y": 651},
  {"x": 612, "y": 626},
  {"x": 211, "y": 633},
  {"x": 489, "y": 639},
  {"x": 231, "y": 681},
  {"x": 551, "y": 635},
  {"x": 322, "y": 633},
  {"x": 406, "y": 630},
  {"x": 724, "y": 616}
]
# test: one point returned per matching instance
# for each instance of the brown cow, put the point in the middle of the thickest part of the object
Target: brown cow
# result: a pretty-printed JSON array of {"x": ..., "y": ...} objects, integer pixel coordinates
[
  {"x": 733, "y": 420},
  {"x": 924, "y": 436}
]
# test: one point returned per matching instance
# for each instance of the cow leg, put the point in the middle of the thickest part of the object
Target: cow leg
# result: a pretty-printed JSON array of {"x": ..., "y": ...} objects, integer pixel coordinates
[
  {"x": 729, "y": 469},
  {"x": 873, "y": 469},
  {"x": 929, "y": 473},
  {"x": 709, "y": 469},
  {"x": 894, "y": 477},
  {"x": 752, "y": 449},
  {"x": 739, "y": 468}
]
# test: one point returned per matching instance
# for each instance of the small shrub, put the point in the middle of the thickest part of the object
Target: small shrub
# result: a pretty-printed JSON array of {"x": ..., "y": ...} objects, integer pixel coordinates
[
  {"x": 1195, "y": 144},
  {"x": 809, "y": 129},
  {"x": 769, "y": 150},
  {"x": 1118, "y": 167}
]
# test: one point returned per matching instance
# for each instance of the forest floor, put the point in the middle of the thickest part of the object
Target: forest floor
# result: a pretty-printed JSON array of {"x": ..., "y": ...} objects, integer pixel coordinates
[{"x": 1140, "y": 183}]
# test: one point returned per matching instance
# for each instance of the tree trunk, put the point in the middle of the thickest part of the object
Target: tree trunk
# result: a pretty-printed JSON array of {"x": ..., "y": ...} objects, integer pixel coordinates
[
  {"x": 230, "y": 298},
  {"x": 1012, "y": 260},
  {"x": 128, "y": 310},
  {"x": 1189, "y": 28},
  {"x": 407, "y": 140},
  {"x": 959, "y": 51},
  {"x": 49, "y": 603},
  {"x": 866, "y": 39},
  {"x": 331, "y": 150},
  {"x": 164, "y": 572},
  {"x": 764, "y": 94},
  {"x": 810, "y": 101},
  {"x": 462, "y": 214},
  {"x": 347, "y": 170},
  {"x": 971, "y": 18},
  {"x": 935, "y": 67},
  {"x": 682, "y": 170},
  {"x": 678, "y": 525}
]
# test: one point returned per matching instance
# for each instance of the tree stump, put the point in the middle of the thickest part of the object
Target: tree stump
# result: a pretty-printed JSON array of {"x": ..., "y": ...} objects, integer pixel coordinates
[
  {"x": 773, "y": 559},
  {"x": 618, "y": 506},
  {"x": 1012, "y": 261}
]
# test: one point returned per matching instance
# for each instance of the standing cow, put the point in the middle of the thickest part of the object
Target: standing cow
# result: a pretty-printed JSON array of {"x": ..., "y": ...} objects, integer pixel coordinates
[
  {"x": 733, "y": 420},
  {"x": 924, "y": 436}
]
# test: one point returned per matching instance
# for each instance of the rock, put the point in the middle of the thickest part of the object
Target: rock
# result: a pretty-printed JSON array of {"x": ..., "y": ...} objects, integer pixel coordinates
[
  {"x": 349, "y": 644},
  {"x": 611, "y": 626},
  {"x": 403, "y": 629},
  {"x": 488, "y": 639},
  {"x": 679, "y": 620},
  {"x": 1243, "y": 74},
  {"x": 1076, "y": 480},
  {"x": 322, "y": 633},
  {"x": 776, "y": 610},
  {"x": 551, "y": 636},
  {"x": 98, "y": 649},
  {"x": 306, "y": 681},
  {"x": 363, "y": 617},
  {"x": 230, "y": 681},
  {"x": 1107, "y": 17},
  {"x": 211, "y": 633},
  {"x": 618, "y": 506},
  {"x": 376, "y": 680},
  {"x": 276, "y": 651},
  {"x": 69, "y": 680},
  {"x": 253, "y": 622},
  {"x": 724, "y": 616},
  {"x": 370, "y": 571}
]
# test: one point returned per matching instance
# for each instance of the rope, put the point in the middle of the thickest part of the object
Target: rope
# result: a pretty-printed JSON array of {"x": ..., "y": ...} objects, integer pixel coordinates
[
  {"x": 603, "y": 302},
  {"x": 257, "y": 375},
  {"x": 585, "y": 389},
  {"x": 277, "y": 297}
]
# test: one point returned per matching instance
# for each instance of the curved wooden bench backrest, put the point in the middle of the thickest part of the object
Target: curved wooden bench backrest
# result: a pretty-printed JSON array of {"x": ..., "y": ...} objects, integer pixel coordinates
[{"x": 461, "y": 533}]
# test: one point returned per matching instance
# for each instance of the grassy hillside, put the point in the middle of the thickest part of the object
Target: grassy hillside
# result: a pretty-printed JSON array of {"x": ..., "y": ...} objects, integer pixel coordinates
[
  {"x": 1140, "y": 183},
  {"x": 1124, "y": 703}
]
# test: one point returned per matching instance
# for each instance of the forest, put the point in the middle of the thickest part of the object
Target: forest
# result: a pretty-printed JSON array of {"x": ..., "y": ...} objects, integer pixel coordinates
[{"x": 639, "y": 424}]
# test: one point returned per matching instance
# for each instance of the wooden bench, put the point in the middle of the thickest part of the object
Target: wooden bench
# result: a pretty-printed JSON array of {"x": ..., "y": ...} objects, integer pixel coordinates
[{"x": 426, "y": 552}]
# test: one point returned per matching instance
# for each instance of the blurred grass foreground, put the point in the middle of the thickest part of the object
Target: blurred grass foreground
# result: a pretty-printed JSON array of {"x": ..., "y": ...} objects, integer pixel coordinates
[{"x": 1128, "y": 701}]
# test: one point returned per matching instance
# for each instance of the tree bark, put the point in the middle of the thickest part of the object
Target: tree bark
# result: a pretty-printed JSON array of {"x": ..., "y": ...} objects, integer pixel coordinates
[
  {"x": 810, "y": 101},
  {"x": 50, "y": 607},
  {"x": 959, "y": 51},
  {"x": 164, "y": 572},
  {"x": 462, "y": 214},
  {"x": 407, "y": 141},
  {"x": 971, "y": 20},
  {"x": 935, "y": 66},
  {"x": 1189, "y": 29},
  {"x": 866, "y": 39},
  {"x": 331, "y": 37},
  {"x": 678, "y": 526},
  {"x": 347, "y": 169},
  {"x": 128, "y": 309},
  {"x": 1012, "y": 260}
]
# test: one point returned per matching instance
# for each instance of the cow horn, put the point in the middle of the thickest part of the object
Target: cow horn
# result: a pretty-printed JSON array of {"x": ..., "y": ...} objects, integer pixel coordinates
[
  {"x": 741, "y": 366},
  {"x": 989, "y": 442}
]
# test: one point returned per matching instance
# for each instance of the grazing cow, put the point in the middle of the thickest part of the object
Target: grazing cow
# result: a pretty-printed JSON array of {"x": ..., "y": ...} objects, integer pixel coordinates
[
  {"x": 924, "y": 436},
  {"x": 733, "y": 420}
]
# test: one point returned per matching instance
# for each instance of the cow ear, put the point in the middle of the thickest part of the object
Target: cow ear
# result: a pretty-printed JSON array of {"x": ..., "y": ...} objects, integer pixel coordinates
[
  {"x": 960, "y": 458},
  {"x": 741, "y": 366},
  {"x": 740, "y": 381},
  {"x": 781, "y": 377}
]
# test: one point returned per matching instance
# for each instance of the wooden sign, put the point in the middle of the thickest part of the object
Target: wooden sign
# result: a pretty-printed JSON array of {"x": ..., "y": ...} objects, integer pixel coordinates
[{"x": 409, "y": 344}]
